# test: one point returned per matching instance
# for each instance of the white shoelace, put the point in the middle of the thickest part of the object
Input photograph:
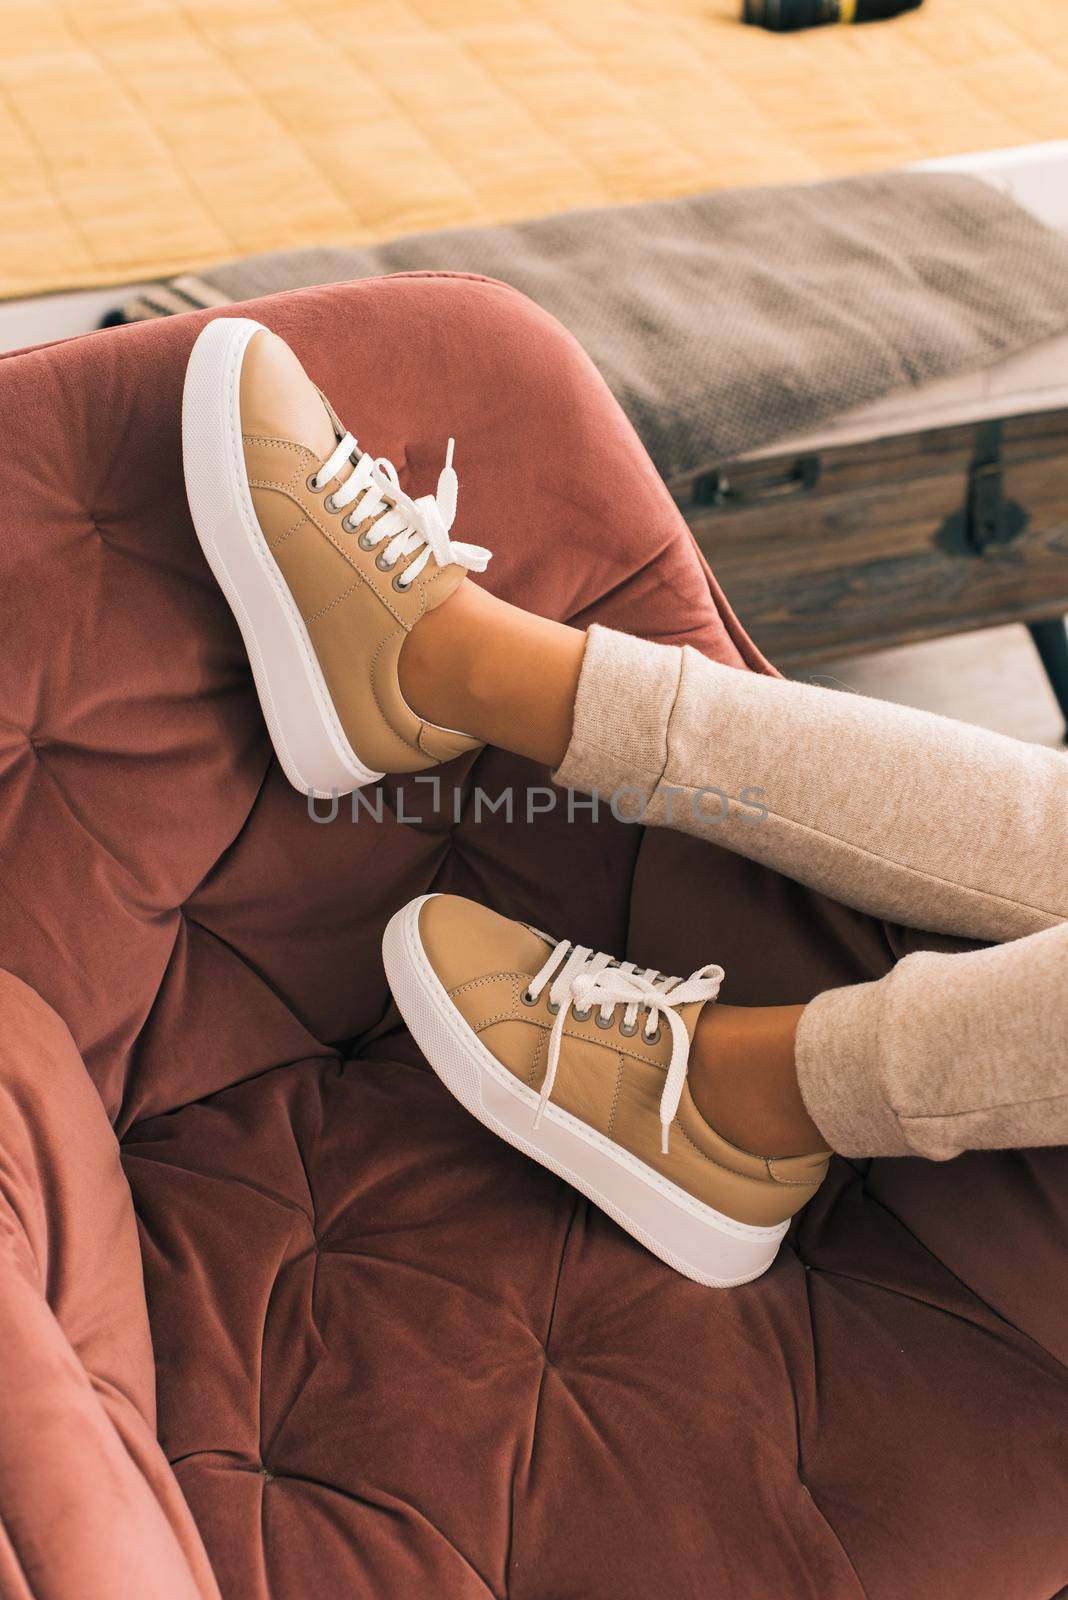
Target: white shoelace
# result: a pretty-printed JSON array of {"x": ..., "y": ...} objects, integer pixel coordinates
[
  {"x": 579, "y": 980},
  {"x": 407, "y": 525}
]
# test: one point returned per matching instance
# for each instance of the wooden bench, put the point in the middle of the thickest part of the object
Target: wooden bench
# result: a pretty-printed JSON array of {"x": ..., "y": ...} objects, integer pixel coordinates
[{"x": 875, "y": 543}]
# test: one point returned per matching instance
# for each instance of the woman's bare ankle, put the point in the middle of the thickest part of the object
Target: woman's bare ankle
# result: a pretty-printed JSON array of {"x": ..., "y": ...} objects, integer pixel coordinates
[
  {"x": 436, "y": 666},
  {"x": 743, "y": 1078},
  {"x": 496, "y": 672}
]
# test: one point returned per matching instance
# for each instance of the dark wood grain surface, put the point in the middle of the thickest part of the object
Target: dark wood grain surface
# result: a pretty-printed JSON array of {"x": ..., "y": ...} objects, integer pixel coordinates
[{"x": 864, "y": 559}]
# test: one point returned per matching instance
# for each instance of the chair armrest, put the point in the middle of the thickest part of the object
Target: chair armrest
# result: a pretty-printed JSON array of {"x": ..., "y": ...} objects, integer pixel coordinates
[{"x": 89, "y": 1506}]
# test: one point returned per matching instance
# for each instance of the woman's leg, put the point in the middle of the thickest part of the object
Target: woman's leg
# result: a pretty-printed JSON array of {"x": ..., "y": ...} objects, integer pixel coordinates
[
  {"x": 899, "y": 813},
  {"x": 946, "y": 1053},
  {"x": 505, "y": 675}
]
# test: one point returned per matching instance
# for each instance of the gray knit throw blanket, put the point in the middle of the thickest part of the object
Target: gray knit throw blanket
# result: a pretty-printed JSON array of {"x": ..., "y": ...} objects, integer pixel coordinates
[{"x": 730, "y": 320}]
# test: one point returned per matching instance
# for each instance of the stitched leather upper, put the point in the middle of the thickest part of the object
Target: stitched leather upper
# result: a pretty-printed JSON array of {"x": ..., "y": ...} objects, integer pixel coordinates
[{"x": 611, "y": 1081}]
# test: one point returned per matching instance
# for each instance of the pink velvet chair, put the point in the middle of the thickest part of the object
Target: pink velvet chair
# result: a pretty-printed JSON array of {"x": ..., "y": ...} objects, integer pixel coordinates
[{"x": 382, "y": 1354}]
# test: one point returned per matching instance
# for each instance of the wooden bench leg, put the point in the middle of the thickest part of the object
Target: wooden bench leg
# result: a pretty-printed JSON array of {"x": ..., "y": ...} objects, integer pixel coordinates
[{"x": 1051, "y": 642}]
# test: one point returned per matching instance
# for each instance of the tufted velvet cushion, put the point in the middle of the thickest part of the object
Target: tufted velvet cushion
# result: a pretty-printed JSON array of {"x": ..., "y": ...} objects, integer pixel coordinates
[{"x": 393, "y": 1358}]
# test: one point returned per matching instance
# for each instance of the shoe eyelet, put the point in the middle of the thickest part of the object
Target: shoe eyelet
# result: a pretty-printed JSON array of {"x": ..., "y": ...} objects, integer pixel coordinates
[
  {"x": 330, "y": 504},
  {"x": 603, "y": 1025},
  {"x": 314, "y": 484},
  {"x": 365, "y": 541},
  {"x": 653, "y": 1038},
  {"x": 628, "y": 1030},
  {"x": 584, "y": 1015},
  {"x": 528, "y": 999},
  {"x": 554, "y": 1009},
  {"x": 400, "y": 585},
  {"x": 382, "y": 564}
]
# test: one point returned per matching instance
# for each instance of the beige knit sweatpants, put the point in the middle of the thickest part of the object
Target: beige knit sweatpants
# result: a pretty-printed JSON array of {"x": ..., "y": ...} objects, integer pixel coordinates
[{"x": 912, "y": 817}]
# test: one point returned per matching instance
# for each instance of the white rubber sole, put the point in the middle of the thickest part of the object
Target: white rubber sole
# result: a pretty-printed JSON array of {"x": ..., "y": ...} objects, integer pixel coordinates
[
  {"x": 305, "y": 728},
  {"x": 695, "y": 1239}
]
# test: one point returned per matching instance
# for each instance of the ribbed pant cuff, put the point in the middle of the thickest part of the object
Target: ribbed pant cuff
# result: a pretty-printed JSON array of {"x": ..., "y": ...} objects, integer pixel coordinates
[
  {"x": 627, "y": 689},
  {"x": 838, "y": 1069}
]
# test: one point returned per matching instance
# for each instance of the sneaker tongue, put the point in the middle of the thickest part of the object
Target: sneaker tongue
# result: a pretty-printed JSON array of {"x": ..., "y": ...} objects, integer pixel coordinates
[
  {"x": 520, "y": 948},
  {"x": 536, "y": 949},
  {"x": 318, "y": 432},
  {"x": 447, "y": 581},
  {"x": 328, "y": 440},
  {"x": 690, "y": 1013}
]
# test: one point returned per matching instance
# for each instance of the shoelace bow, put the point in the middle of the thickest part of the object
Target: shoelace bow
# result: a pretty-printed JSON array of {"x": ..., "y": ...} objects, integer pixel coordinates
[
  {"x": 581, "y": 980},
  {"x": 406, "y": 524}
]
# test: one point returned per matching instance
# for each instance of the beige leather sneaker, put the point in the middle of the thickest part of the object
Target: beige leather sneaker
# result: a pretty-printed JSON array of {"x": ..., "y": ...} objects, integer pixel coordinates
[
  {"x": 580, "y": 1061},
  {"x": 326, "y": 562}
]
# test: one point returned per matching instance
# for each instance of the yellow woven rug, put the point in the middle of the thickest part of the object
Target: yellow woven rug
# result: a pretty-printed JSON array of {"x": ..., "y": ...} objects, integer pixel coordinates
[{"x": 144, "y": 137}]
